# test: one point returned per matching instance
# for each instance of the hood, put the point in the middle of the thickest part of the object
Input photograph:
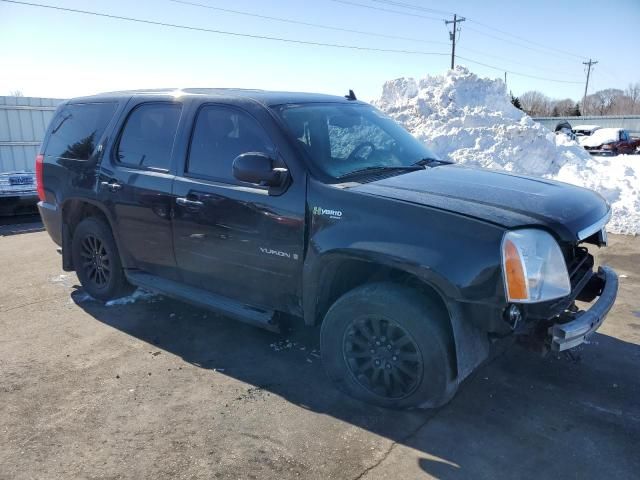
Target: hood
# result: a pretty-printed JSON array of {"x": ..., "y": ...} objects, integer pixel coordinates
[{"x": 498, "y": 197}]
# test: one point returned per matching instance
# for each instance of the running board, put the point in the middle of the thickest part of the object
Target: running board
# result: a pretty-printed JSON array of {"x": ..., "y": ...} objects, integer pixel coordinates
[{"x": 223, "y": 305}]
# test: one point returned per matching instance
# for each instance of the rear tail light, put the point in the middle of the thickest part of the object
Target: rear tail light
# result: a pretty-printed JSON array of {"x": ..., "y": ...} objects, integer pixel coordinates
[{"x": 39, "y": 176}]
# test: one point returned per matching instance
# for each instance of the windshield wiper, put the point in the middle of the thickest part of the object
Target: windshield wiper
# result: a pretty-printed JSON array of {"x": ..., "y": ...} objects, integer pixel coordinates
[
  {"x": 384, "y": 168},
  {"x": 430, "y": 162}
]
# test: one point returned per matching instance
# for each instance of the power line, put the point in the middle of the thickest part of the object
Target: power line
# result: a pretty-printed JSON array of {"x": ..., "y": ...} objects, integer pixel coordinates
[
  {"x": 420, "y": 8},
  {"x": 224, "y": 32},
  {"x": 306, "y": 24},
  {"x": 388, "y": 10},
  {"x": 413, "y": 7},
  {"x": 515, "y": 62},
  {"x": 270, "y": 38},
  {"x": 554, "y": 49},
  {"x": 514, "y": 73},
  {"x": 424, "y": 9},
  {"x": 502, "y": 39},
  {"x": 363, "y": 32}
]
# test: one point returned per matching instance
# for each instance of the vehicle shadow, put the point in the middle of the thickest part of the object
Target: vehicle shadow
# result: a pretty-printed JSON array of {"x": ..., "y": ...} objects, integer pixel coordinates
[{"x": 518, "y": 416}]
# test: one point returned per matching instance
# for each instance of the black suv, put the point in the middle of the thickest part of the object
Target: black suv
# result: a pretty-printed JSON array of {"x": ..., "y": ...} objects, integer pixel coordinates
[{"x": 268, "y": 206}]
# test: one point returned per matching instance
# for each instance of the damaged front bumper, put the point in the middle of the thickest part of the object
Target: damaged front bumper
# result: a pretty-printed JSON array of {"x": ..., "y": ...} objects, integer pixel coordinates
[{"x": 573, "y": 329}]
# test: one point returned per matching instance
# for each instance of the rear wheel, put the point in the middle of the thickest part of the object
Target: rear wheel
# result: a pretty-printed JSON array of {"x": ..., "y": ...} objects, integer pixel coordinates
[
  {"x": 97, "y": 261},
  {"x": 387, "y": 345}
]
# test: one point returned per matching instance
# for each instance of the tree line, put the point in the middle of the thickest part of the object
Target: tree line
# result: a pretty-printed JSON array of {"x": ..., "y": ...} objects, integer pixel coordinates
[{"x": 610, "y": 101}]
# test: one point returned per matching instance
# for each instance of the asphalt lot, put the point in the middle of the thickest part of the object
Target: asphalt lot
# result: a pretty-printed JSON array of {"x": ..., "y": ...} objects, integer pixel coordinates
[{"x": 159, "y": 389}]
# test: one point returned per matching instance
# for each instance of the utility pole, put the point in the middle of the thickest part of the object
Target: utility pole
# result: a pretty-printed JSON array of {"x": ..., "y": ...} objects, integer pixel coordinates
[
  {"x": 452, "y": 36},
  {"x": 589, "y": 64}
]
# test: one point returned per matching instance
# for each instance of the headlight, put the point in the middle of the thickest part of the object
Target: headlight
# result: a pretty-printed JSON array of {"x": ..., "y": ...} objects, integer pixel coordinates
[{"x": 533, "y": 267}]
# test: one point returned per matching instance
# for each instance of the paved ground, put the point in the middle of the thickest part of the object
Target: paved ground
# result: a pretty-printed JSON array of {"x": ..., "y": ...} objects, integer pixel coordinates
[{"x": 158, "y": 389}]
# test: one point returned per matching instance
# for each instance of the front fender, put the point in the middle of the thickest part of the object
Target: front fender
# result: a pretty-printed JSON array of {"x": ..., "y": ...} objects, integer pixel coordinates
[{"x": 456, "y": 255}]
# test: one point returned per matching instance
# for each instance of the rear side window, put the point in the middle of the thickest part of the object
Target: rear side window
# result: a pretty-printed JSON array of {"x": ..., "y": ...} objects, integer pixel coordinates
[
  {"x": 148, "y": 136},
  {"x": 219, "y": 136},
  {"x": 77, "y": 129}
]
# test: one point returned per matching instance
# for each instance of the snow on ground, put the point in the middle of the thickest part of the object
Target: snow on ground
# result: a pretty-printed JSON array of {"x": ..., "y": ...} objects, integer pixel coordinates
[
  {"x": 470, "y": 120},
  {"x": 139, "y": 294}
]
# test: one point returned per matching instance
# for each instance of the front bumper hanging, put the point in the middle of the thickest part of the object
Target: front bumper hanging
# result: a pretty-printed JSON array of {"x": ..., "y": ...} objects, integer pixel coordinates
[{"x": 564, "y": 336}]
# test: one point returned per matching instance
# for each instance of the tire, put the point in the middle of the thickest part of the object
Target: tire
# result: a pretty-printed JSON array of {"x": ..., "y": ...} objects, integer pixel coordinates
[
  {"x": 97, "y": 261},
  {"x": 387, "y": 345}
]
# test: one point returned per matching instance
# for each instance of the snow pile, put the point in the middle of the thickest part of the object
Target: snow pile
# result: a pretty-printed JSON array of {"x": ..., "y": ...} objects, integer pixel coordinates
[
  {"x": 471, "y": 120},
  {"x": 618, "y": 180}
]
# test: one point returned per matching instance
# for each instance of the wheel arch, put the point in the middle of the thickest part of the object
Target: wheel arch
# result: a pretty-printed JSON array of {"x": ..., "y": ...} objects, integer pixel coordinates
[
  {"x": 339, "y": 272},
  {"x": 74, "y": 210}
]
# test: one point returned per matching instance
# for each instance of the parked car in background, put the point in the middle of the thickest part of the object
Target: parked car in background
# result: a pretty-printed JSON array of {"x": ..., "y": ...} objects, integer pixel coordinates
[
  {"x": 611, "y": 141},
  {"x": 23, "y": 122},
  {"x": 581, "y": 132},
  {"x": 564, "y": 128},
  {"x": 17, "y": 193}
]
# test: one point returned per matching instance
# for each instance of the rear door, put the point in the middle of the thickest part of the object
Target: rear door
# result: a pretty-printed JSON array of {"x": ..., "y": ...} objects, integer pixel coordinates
[
  {"x": 234, "y": 238},
  {"x": 136, "y": 181}
]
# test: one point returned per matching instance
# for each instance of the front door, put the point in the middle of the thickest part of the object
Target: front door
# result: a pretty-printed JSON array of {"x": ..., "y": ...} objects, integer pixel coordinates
[
  {"x": 136, "y": 182},
  {"x": 230, "y": 237}
]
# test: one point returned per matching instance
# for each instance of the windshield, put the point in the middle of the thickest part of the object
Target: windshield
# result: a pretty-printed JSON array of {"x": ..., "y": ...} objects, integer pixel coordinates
[{"x": 342, "y": 139}]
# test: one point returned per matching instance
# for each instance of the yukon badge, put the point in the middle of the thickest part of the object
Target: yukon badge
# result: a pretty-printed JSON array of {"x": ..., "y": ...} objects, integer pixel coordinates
[
  {"x": 277, "y": 253},
  {"x": 335, "y": 214}
]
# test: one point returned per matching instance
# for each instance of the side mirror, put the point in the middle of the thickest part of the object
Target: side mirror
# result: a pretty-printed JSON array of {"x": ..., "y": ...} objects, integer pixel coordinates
[{"x": 255, "y": 167}]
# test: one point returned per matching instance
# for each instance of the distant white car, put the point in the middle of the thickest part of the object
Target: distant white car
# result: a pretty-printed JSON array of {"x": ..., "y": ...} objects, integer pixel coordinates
[{"x": 584, "y": 131}]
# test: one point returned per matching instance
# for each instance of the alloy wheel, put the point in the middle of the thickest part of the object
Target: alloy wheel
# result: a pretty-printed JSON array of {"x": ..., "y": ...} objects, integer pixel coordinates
[
  {"x": 96, "y": 261},
  {"x": 383, "y": 357}
]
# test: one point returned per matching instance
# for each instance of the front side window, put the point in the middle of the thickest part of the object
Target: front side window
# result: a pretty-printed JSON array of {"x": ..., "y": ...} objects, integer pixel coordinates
[
  {"x": 77, "y": 129},
  {"x": 148, "y": 136},
  {"x": 219, "y": 136},
  {"x": 343, "y": 138}
]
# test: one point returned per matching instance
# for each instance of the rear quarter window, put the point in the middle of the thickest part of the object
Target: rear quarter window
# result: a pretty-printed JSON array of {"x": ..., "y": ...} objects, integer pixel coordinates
[{"x": 77, "y": 129}]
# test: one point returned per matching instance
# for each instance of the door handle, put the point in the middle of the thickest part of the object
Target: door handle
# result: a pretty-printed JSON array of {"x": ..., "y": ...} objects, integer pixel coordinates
[
  {"x": 112, "y": 186},
  {"x": 185, "y": 202}
]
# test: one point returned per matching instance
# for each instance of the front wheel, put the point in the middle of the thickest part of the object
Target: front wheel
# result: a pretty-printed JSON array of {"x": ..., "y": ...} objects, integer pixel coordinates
[
  {"x": 387, "y": 345},
  {"x": 97, "y": 261}
]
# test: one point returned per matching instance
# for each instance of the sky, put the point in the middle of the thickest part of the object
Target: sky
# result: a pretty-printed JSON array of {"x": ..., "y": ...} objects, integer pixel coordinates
[{"x": 61, "y": 54}]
